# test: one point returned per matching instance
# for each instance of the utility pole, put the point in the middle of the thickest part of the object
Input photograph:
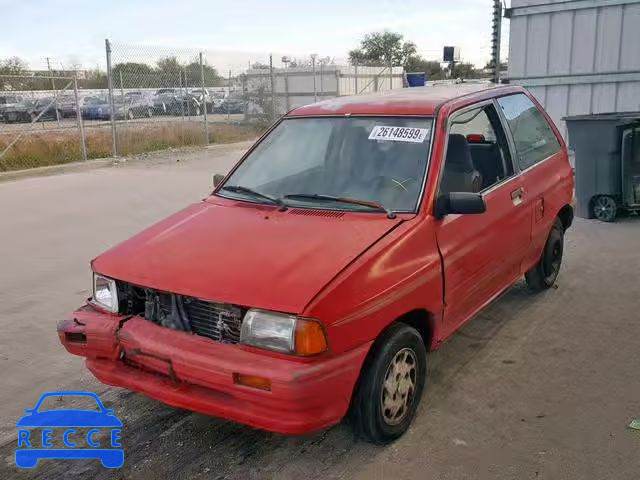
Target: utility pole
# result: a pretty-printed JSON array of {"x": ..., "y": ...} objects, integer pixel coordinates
[{"x": 496, "y": 30}]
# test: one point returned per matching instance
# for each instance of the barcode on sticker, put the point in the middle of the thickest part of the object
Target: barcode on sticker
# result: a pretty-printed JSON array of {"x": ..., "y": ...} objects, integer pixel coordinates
[{"x": 399, "y": 134}]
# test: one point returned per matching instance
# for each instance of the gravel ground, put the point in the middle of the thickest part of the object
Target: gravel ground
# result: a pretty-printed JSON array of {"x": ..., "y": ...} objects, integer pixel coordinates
[{"x": 536, "y": 387}]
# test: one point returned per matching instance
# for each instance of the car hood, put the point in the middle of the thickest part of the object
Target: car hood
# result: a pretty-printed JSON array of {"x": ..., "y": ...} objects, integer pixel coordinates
[{"x": 245, "y": 254}]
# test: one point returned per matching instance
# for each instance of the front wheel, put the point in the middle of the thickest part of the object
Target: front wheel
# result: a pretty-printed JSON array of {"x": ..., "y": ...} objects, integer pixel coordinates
[
  {"x": 390, "y": 385},
  {"x": 544, "y": 273}
]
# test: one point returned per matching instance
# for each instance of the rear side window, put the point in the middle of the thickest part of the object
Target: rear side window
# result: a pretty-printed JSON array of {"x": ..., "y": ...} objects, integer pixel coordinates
[{"x": 533, "y": 137}]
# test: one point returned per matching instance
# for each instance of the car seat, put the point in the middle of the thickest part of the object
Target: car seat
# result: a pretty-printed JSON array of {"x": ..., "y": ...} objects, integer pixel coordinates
[{"x": 459, "y": 174}]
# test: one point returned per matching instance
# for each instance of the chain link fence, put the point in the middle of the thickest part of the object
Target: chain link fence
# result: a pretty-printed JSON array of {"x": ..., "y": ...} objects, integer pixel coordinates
[
  {"x": 40, "y": 123},
  {"x": 153, "y": 98}
]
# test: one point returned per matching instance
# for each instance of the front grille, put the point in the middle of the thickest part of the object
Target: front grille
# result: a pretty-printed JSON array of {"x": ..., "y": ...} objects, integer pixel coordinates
[
  {"x": 218, "y": 321},
  {"x": 215, "y": 320}
]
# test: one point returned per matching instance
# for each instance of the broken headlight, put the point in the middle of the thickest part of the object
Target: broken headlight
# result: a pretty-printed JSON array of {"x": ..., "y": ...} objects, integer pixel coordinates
[{"x": 105, "y": 294}]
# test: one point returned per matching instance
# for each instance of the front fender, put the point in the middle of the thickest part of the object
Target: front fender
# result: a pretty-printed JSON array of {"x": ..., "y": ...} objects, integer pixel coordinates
[{"x": 400, "y": 273}]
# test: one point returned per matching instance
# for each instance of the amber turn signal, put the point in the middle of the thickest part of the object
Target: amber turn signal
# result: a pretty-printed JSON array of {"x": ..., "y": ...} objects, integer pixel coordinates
[
  {"x": 309, "y": 337},
  {"x": 253, "y": 381}
]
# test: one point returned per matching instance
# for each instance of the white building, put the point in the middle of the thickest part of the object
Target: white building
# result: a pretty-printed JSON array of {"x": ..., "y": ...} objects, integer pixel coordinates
[
  {"x": 299, "y": 86},
  {"x": 577, "y": 56}
]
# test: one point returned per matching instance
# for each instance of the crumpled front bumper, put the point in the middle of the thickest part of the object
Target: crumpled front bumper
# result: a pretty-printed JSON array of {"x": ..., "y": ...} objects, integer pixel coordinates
[{"x": 196, "y": 373}]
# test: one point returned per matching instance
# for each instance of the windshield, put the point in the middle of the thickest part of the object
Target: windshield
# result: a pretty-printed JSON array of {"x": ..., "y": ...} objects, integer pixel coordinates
[{"x": 371, "y": 159}]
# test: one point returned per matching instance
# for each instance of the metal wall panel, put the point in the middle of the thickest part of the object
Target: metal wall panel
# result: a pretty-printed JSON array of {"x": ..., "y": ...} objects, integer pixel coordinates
[
  {"x": 561, "y": 40},
  {"x": 577, "y": 56},
  {"x": 584, "y": 40},
  {"x": 608, "y": 39},
  {"x": 604, "y": 98},
  {"x": 630, "y": 51},
  {"x": 628, "y": 97},
  {"x": 538, "y": 34}
]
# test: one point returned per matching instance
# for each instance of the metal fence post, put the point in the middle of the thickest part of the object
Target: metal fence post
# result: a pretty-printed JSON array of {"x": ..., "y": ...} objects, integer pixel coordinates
[
  {"x": 313, "y": 65},
  {"x": 114, "y": 148},
  {"x": 186, "y": 93},
  {"x": 183, "y": 95},
  {"x": 356, "y": 74},
  {"x": 322, "y": 79},
  {"x": 229, "y": 93},
  {"x": 79, "y": 116},
  {"x": 204, "y": 101},
  {"x": 53, "y": 88},
  {"x": 273, "y": 88},
  {"x": 286, "y": 89}
]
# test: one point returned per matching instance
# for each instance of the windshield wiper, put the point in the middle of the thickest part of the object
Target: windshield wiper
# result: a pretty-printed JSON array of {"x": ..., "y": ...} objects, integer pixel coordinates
[
  {"x": 253, "y": 193},
  {"x": 331, "y": 198}
]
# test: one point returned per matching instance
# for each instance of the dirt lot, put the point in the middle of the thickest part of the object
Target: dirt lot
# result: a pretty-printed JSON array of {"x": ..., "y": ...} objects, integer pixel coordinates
[{"x": 536, "y": 387}]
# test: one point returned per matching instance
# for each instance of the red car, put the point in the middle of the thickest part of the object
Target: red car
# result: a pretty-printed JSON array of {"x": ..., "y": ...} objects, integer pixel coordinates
[{"x": 353, "y": 238}]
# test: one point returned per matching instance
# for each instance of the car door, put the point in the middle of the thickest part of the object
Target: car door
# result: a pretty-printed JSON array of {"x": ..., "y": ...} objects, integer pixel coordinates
[
  {"x": 481, "y": 253},
  {"x": 542, "y": 164}
]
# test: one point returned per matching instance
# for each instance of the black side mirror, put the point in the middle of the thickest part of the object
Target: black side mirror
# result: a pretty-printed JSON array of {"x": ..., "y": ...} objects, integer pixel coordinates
[
  {"x": 217, "y": 179},
  {"x": 459, "y": 202}
]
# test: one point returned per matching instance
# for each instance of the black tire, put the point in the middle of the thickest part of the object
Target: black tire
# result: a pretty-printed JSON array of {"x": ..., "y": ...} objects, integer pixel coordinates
[
  {"x": 544, "y": 273},
  {"x": 368, "y": 415},
  {"x": 604, "y": 208}
]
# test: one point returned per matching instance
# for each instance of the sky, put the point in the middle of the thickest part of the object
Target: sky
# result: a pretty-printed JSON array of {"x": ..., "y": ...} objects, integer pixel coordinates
[{"x": 235, "y": 33}]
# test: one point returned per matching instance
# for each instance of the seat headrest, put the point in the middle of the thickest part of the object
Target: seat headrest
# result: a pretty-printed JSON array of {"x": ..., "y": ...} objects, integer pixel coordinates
[{"x": 459, "y": 154}]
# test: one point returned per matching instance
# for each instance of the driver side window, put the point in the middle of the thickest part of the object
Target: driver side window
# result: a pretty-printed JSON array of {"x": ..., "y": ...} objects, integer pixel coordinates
[{"x": 477, "y": 155}]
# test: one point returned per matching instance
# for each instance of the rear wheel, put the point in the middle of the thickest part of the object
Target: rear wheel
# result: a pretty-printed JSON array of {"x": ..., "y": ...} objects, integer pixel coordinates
[
  {"x": 544, "y": 274},
  {"x": 605, "y": 208},
  {"x": 390, "y": 385}
]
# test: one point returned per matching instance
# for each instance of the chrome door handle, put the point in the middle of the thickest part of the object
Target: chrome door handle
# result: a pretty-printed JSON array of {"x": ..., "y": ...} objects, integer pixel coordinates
[{"x": 517, "y": 195}]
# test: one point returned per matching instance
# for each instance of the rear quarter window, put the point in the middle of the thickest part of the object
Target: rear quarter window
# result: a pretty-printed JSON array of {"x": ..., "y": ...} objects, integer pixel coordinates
[{"x": 533, "y": 137}]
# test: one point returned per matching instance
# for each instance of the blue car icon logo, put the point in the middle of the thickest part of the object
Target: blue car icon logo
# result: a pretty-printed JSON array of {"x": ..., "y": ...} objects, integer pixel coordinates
[{"x": 33, "y": 447}]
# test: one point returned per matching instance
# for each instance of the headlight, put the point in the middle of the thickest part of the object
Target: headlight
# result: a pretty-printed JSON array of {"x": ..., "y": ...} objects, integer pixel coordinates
[
  {"x": 105, "y": 294},
  {"x": 283, "y": 333}
]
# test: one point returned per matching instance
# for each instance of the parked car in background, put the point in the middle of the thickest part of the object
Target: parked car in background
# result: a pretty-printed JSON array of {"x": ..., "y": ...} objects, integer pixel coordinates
[
  {"x": 7, "y": 102},
  {"x": 388, "y": 222},
  {"x": 127, "y": 107},
  {"x": 66, "y": 105},
  {"x": 216, "y": 100},
  {"x": 203, "y": 97},
  {"x": 232, "y": 105},
  {"x": 140, "y": 97},
  {"x": 41, "y": 109},
  {"x": 175, "y": 101}
]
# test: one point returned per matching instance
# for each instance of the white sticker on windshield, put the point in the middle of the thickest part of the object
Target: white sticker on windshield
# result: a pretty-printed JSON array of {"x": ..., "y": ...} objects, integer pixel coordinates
[{"x": 399, "y": 134}]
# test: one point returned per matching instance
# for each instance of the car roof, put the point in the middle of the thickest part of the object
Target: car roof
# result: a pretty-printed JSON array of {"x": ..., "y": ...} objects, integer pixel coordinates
[{"x": 405, "y": 101}]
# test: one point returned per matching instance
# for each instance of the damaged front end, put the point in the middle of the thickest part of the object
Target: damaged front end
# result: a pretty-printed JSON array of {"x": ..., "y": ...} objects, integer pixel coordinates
[
  {"x": 217, "y": 321},
  {"x": 185, "y": 352}
]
